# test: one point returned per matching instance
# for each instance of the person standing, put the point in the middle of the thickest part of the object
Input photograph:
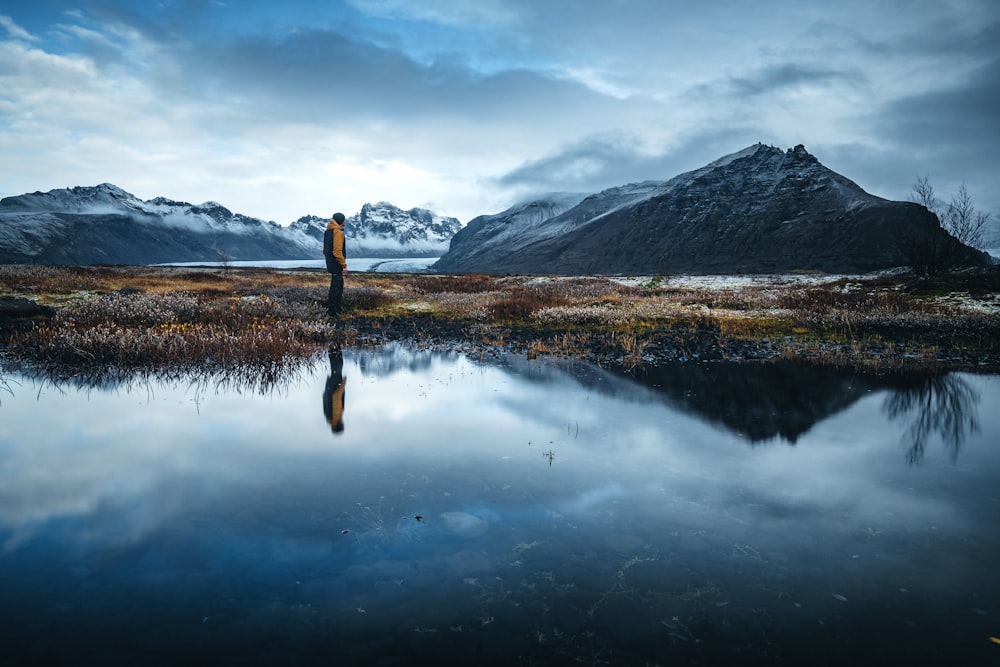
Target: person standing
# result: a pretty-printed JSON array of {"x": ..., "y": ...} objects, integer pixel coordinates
[{"x": 335, "y": 252}]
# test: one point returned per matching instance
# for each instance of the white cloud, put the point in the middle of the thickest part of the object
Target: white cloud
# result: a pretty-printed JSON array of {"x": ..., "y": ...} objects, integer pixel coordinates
[
  {"x": 448, "y": 12},
  {"x": 16, "y": 31}
]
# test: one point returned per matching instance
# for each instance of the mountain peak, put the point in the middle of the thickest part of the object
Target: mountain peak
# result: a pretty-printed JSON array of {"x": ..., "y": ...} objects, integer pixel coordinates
[
  {"x": 80, "y": 199},
  {"x": 110, "y": 188},
  {"x": 108, "y": 192},
  {"x": 801, "y": 154},
  {"x": 761, "y": 209},
  {"x": 757, "y": 150}
]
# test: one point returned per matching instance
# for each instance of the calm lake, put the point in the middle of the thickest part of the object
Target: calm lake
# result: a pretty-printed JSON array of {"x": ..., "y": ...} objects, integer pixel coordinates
[{"x": 392, "y": 507}]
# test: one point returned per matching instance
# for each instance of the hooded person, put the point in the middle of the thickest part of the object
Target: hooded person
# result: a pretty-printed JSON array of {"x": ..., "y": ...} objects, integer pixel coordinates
[{"x": 335, "y": 253}]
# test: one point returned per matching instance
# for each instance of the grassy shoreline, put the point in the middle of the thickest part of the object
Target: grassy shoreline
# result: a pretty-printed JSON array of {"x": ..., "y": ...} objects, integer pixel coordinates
[{"x": 169, "y": 317}]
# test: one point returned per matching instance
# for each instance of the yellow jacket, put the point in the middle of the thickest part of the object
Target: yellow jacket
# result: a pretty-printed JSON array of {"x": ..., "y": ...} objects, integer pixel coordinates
[{"x": 335, "y": 248}]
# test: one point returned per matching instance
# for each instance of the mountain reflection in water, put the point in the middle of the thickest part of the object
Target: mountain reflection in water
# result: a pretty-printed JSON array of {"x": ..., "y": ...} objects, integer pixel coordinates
[
  {"x": 784, "y": 399},
  {"x": 439, "y": 510}
]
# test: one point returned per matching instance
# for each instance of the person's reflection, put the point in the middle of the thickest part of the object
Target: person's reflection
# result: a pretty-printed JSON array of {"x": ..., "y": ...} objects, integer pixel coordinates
[
  {"x": 941, "y": 404},
  {"x": 333, "y": 394}
]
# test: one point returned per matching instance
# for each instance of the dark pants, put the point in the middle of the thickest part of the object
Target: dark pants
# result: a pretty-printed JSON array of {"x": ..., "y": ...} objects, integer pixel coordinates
[{"x": 335, "y": 294}]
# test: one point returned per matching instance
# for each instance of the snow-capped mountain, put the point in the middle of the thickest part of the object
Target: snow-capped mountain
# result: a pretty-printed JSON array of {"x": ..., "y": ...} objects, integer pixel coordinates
[
  {"x": 759, "y": 210},
  {"x": 521, "y": 224},
  {"x": 107, "y": 225},
  {"x": 384, "y": 230}
]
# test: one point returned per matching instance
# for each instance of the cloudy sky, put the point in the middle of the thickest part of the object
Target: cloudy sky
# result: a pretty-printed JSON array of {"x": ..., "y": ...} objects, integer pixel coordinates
[{"x": 281, "y": 109}]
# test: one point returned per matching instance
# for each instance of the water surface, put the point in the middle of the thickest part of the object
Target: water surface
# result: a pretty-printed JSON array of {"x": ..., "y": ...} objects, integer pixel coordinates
[
  {"x": 369, "y": 264},
  {"x": 395, "y": 507}
]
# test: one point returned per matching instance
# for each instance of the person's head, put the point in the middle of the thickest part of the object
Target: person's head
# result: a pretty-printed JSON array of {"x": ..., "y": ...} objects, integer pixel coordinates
[{"x": 339, "y": 218}]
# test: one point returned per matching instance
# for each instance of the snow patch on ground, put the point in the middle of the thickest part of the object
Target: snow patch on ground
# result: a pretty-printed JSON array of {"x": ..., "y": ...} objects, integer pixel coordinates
[
  {"x": 963, "y": 301},
  {"x": 735, "y": 281}
]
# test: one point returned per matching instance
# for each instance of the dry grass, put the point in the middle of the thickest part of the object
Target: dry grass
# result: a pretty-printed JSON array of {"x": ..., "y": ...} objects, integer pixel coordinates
[
  {"x": 51, "y": 283},
  {"x": 141, "y": 330},
  {"x": 149, "y": 316}
]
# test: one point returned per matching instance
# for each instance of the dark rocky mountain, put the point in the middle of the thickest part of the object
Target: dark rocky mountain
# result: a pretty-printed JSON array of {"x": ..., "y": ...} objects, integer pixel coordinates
[
  {"x": 107, "y": 225},
  {"x": 761, "y": 210}
]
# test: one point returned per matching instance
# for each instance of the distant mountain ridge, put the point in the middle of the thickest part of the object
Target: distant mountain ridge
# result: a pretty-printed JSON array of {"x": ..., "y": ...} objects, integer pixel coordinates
[
  {"x": 107, "y": 225},
  {"x": 759, "y": 210}
]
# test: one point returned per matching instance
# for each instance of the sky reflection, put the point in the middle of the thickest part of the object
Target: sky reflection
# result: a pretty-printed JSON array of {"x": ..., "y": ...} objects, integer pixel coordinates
[
  {"x": 69, "y": 451},
  {"x": 449, "y": 471}
]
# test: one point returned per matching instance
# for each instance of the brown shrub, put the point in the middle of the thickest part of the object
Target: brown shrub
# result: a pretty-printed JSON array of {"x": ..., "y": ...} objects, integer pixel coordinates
[
  {"x": 468, "y": 284},
  {"x": 818, "y": 299},
  {"x": 516, "y": 306},
  {"x": 365, "y": 298}
]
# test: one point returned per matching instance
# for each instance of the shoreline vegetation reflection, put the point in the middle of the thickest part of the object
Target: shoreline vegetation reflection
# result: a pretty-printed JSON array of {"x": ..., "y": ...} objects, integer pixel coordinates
[{"x": 760, "y": 402}]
